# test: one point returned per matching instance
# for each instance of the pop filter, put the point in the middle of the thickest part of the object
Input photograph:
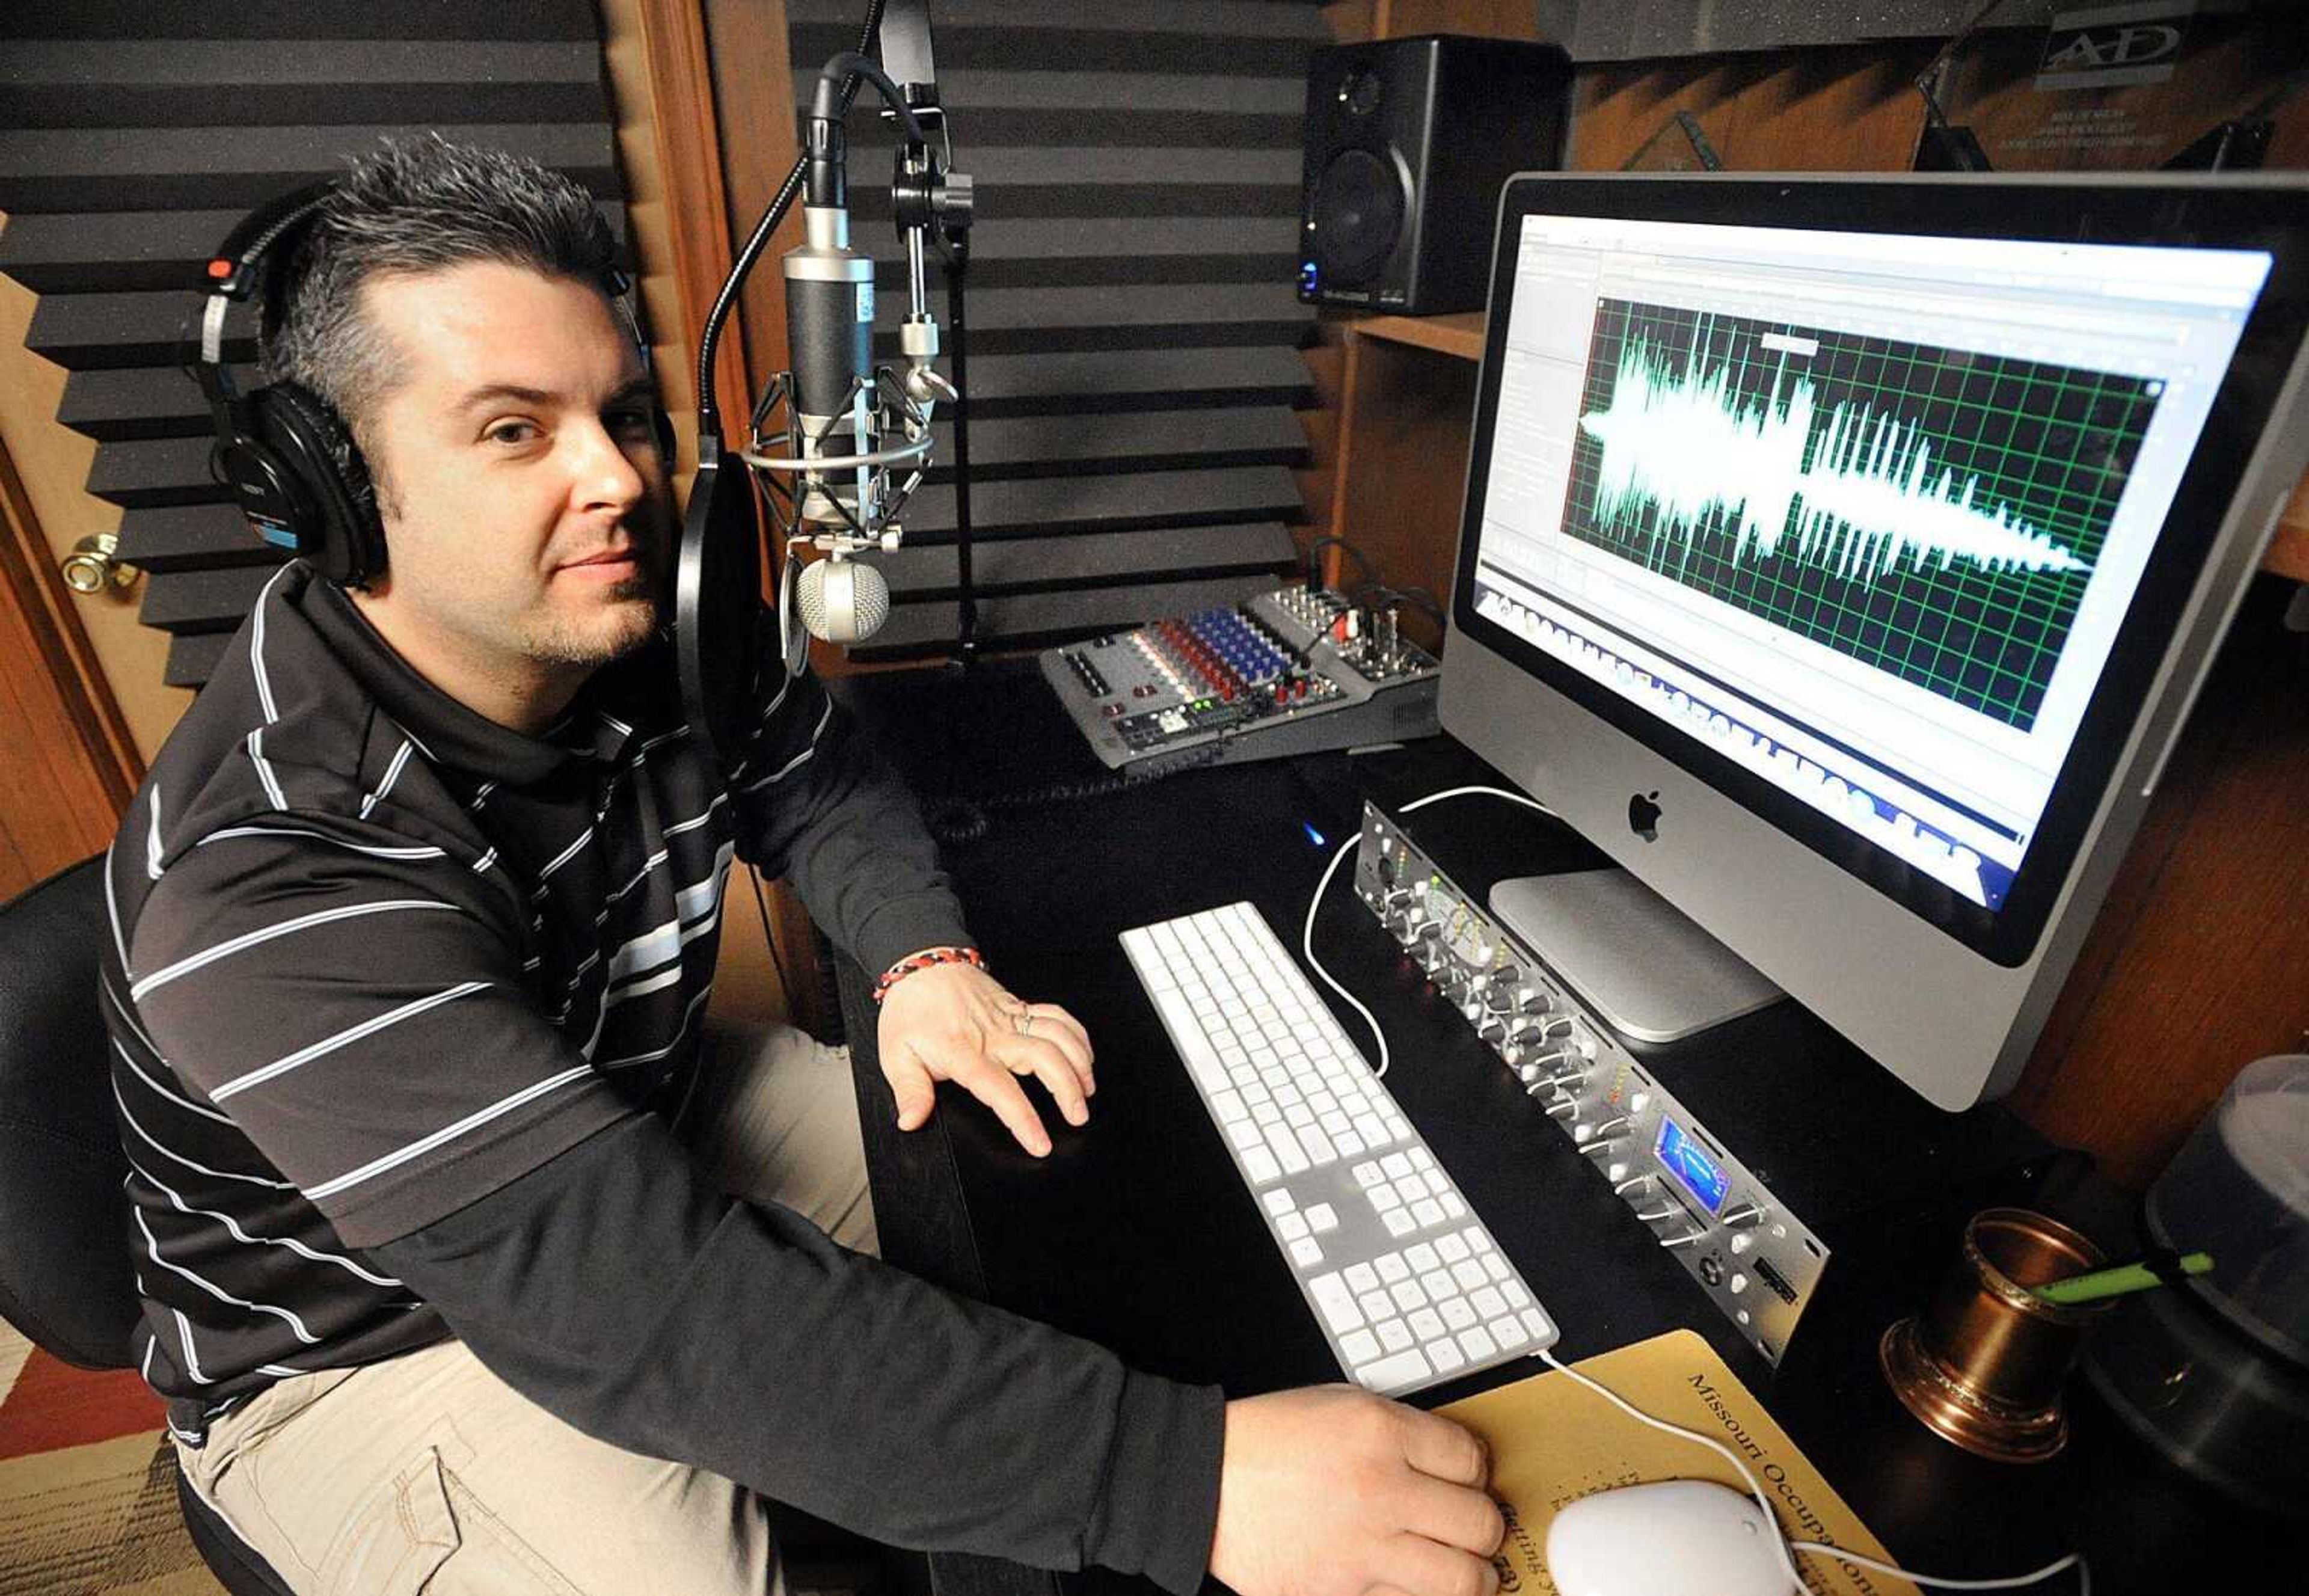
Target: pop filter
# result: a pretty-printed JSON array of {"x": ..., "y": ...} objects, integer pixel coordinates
[{"x": 717, "y": 604}]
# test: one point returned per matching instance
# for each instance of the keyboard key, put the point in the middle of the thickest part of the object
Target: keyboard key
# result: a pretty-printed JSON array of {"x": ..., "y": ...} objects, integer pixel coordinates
[
  {"x": 1388, "y": 1373},
  {"x": 1362, "y": 1277},
  {"x": 1279, "y": 1201},
  {"x": 1453, "y": 1206},
  {"x": 1487, "y": 1303},
  {"x": 1536, "y": 1322},
  {"x": 1244, "y": 1135},
  {"x": 1376, "y": 1305},
  {"x": 1513, "y": 1290},
  {"x": 1408, "y": 1295},
  {"x": 1397, "y": 1165},
  {"x": 1426, "y": 1324},
  {"x": 1445, "y": 1354},
  {"x": 1477, "y": 1344},
  {"x": 1438, "y": 1285},
  {"x": 1502, "y": 1270},
  {"x": 1370, "y": 1127},
  {"x": 1367, "y": 1176},
  {"x": 1393, "y": 1267},
  {"x": 1457, "y": 1314},
  {"x": 1292, "y": 1226},
  {"x": 1427, "y": 1212},
  {"x": 1325, "y": 1220},
  {"x": 1383, "y": 1198},
  {"x": 1470, "y": 1275},
  {"x": 1359, "y": 1346},
  {"x": 1399, "y": 1223},
  {"x": 1306, "y": 1251},
  {"x": 1452, "y": 1247},
  {"x": 1393, "y": 1335},
  {"x": 1337, "y": 1303},
  {"x": 1229, "y": 1105},
  {"x": 1507, "y": 1332},
  {"x": 1260, "y": 1165}
]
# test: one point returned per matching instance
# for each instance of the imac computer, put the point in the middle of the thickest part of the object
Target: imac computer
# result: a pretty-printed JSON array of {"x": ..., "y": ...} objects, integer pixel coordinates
[{"x": 1841, "y": 556}]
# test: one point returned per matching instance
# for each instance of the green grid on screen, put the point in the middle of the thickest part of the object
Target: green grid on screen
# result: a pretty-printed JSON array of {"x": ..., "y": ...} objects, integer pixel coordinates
[{"x": 2051, "y": 445}]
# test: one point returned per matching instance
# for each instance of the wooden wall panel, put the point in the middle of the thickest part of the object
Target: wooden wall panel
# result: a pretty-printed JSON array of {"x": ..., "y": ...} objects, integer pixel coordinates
[{"x": 2199, "y": 963}]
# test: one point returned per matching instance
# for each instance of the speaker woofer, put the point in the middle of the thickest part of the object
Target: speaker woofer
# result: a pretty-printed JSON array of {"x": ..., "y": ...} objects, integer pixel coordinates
[{"x": 1358, "y": 213}]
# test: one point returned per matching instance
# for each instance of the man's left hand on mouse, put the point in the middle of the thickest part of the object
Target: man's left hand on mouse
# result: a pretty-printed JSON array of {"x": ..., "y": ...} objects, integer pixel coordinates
[{"x": 955, "y": 1022}]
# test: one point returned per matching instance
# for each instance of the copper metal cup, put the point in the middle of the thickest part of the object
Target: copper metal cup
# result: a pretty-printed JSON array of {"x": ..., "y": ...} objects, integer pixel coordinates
[{"x": 1983, "y": 1364}]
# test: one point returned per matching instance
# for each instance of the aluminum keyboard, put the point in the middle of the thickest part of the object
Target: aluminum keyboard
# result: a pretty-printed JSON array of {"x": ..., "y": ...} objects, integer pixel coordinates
[{"x": 1403, "y": 1276}]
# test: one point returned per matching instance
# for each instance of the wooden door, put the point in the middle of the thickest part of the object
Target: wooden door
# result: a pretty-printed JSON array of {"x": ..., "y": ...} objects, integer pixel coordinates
[{"x": 67, "y": 766}]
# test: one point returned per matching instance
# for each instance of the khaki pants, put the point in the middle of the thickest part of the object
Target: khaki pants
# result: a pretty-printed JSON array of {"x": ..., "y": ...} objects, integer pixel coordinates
[{"x": 427, "y": 1473}]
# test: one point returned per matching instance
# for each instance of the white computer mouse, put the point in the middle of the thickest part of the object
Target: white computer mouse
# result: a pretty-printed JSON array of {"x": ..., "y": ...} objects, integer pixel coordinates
[{"x": 1673, "y": 1538}]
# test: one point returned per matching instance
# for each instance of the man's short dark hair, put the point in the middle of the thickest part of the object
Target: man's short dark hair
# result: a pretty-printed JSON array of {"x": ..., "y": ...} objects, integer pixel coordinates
[{"x": 422, "y": 204}]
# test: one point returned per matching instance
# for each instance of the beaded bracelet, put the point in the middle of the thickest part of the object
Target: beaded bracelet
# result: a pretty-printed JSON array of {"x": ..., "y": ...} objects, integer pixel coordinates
[{"x": 922, "y": 961}]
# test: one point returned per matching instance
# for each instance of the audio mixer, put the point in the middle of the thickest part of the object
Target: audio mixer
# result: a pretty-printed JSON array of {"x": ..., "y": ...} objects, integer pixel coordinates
[{"x": 1291, "y": 671}]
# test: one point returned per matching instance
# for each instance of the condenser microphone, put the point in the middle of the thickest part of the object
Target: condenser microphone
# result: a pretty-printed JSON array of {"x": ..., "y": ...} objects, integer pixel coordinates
[{"x": 843, "y": 601}]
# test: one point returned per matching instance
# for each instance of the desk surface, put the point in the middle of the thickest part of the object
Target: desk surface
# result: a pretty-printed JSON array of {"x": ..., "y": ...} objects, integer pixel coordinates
[{"x": 1137, "y": 1232}]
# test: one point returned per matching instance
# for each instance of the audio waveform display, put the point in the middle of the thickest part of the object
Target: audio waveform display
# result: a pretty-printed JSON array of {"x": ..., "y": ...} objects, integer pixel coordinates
[{"x": 1934, "y": 513}]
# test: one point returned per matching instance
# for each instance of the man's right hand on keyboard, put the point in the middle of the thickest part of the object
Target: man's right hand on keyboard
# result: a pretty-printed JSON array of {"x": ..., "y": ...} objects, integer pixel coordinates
[{"x": 1333, "y": 1491}]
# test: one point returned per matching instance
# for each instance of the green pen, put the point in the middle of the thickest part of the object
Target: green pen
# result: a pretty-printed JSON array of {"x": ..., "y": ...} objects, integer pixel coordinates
[{"x": 2117, "y": 1281}]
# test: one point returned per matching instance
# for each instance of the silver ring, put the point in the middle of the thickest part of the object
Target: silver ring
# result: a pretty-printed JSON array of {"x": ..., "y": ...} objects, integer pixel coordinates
[{"x": 1022, "y": 1022}]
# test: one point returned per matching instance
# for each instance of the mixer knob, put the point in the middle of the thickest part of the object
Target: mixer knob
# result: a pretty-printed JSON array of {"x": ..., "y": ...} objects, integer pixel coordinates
[
  {"x": 1613, "y": 1126},
  {"x": 1494, "y": 1029},
  {"x": 1741, "y": 1215},
  {"x": 1531, "y": 1000},
  {"x": 1561, "y": 1110},
  {"x": 1635, "y": 1188}
]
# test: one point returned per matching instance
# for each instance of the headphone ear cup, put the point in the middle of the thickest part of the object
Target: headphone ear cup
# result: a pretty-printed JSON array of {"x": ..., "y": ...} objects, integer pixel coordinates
[{"x": 345, "y": 543}]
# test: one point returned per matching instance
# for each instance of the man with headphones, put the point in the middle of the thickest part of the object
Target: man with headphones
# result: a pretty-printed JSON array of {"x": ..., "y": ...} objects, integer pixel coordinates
[{"x": 465, "y": 1266}]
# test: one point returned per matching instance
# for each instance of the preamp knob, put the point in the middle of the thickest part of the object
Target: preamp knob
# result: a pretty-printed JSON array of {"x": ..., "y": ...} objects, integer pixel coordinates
[
  {"x": 1598, "y": 1132},
  {"x": 1560, "y": 1110},
  {"x": 1635, "y": 1188},
  {"x": 1538, "y": 1076},
  {"x": 1533, "y": 1032},
  {"x": 1741, "y": 1215}
]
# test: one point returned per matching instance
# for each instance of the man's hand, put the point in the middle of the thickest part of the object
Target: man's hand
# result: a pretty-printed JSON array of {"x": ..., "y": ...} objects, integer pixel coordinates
[
  {"x": 955, "y": 1022},
  {"x": 1335, "y": 1492}
]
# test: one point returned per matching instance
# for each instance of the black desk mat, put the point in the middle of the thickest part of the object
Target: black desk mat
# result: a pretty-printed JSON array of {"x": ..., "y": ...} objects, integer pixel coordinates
[{"x": 1137, "y": 1232}]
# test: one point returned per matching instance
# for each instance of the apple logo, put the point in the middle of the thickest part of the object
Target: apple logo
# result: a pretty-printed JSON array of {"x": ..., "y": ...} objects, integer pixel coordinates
[{"x": 1643, "y": 816}]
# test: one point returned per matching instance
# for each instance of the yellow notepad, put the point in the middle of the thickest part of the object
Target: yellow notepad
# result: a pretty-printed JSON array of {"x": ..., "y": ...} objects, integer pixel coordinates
[{"x": 1554, "y": 1441}]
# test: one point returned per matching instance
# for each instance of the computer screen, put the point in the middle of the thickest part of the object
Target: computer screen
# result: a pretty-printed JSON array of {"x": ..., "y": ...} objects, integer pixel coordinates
[{"x": 1863, "y": 503}]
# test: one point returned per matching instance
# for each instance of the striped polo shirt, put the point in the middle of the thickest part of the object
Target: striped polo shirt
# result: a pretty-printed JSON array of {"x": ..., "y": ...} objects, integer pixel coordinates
[{"x": 374, "y": 957}]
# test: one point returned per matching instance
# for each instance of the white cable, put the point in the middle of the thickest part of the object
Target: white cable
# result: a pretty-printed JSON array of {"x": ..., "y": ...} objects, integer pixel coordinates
[
  {"x": 1755, "y": 1486},
  {"x": 1307, "y": 947},
  {"x": 1307, "y": 936},
  {"x": 1783, "y": 1545}
]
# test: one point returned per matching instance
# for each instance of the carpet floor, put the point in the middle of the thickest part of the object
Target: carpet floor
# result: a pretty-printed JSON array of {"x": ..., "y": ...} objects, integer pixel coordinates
[{"x": 88, "y": 1485}]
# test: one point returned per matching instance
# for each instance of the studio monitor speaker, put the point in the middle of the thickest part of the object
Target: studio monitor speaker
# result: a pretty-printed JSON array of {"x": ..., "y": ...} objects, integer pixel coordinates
[{"x": 1408, "y": 140}]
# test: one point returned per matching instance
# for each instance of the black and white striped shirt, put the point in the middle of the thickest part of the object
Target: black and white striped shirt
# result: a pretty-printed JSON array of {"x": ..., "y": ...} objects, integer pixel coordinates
[{"x": 374, "y": 957}]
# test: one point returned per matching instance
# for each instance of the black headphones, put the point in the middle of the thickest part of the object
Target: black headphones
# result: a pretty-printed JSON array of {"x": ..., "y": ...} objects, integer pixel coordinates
[{"x": 289, "y": 458}]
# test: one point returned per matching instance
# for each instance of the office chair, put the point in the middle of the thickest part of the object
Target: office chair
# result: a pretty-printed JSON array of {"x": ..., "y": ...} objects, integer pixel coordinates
[{"x": 65, "y": 1276}]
